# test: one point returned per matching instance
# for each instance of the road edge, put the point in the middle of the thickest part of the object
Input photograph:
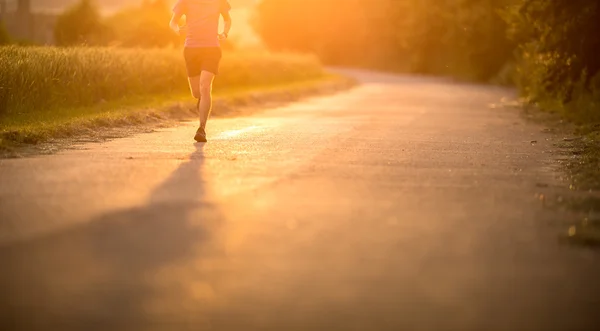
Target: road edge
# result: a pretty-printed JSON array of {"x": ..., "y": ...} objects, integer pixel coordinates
[{"x": 18, "y": 144}]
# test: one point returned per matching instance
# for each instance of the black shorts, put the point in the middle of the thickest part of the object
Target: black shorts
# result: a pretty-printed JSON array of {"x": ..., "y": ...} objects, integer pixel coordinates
[{"x": 202, "y": 59}]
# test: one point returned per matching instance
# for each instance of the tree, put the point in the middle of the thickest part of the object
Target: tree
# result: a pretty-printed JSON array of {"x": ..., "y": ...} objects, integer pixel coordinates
[
  {"x": 4, "y": 36},
  {"x": 336, "y": 30},
  {"x": 450, "y": 37},
  {"x": 81, "y": 25},
  {"x": 144, "y": 26},
  {"x": 559, "y": 44}
]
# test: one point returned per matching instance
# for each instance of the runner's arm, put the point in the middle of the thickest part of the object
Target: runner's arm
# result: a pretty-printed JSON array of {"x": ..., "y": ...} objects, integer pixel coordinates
[
  {"x": 227, "y": 26},
  {"x": 225, "y": 8},
  {"x": 178, "y": 12},
  {"x": 174, "y": 24}
]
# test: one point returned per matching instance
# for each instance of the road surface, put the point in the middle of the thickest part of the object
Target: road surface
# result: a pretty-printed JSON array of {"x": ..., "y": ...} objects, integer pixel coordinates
[{"x": 403, "y": 204}]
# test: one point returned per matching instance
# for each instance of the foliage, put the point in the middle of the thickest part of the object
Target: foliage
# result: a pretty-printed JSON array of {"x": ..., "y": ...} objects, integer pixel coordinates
[
  {"x": 141, "y": 26},
  {"x": 549, "y": 48},
  {"x": 144, "y": 26},
  {"x": 4, "y": 36},
  {"x": 559, "y": 45},
  {"x": 459, "y": 37},
  {"x": 81, "y": 25}
]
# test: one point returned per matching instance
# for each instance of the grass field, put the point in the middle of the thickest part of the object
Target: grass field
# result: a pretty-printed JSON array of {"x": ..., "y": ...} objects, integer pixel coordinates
[
  {"x": 45, "y": 88},
  {"x": 37, "y": 80}
]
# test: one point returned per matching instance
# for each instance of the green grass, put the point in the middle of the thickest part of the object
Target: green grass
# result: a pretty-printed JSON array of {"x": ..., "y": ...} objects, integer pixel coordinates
[
  {"x": 48, "y": 92},
  {"x": 37, "y": 80},
  {"x": 150, "y": 111}
]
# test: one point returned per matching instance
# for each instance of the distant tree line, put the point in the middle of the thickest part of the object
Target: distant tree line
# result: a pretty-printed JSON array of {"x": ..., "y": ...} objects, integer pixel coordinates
[
  {"x": 461, "y": 37},
  {"x": 141, "y": 26},
  {"x": 145, "y": 26},
  {"x": 4, "y": 36},
  {"x": 549, "y": 48}
]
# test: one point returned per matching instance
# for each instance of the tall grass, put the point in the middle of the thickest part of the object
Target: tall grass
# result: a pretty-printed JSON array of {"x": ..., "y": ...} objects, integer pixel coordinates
[{"x": 40, "y": 79}]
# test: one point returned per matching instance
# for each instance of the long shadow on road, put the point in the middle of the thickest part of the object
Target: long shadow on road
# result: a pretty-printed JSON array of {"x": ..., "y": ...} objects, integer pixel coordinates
[{"x": 112, "y": 272}]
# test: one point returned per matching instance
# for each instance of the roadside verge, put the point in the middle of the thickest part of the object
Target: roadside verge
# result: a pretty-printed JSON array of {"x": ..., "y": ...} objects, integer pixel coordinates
[{"x": 136, "y": 115}]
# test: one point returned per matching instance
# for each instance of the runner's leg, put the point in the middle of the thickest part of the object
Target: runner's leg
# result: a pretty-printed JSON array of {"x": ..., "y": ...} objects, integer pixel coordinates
[
  {"x": 205, "y": 87},
  {"x": 195, "y": 89}
]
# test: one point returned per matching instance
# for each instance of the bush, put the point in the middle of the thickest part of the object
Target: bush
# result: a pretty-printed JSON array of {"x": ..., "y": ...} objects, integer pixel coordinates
[
  {"x": 144, "y": 26},
  {"x": 4, "y": 36},
  {"x": 81, "y": 25},
  {"x": 559, "y": 42},
  {"x": 558, "y": 63},
  {"x": 453, "y": 37}
]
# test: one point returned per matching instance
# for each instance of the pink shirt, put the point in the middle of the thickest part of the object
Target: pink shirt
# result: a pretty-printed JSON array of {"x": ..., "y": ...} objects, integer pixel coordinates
[{"x": 202, "y": 20}]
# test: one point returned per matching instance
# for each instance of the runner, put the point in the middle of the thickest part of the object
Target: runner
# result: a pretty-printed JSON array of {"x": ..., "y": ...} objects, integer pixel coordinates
[{"x": 202, "y": 50}]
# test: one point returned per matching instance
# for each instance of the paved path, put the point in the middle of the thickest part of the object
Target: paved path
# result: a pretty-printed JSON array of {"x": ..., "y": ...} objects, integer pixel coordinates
[{"x": 403, "y": 204}]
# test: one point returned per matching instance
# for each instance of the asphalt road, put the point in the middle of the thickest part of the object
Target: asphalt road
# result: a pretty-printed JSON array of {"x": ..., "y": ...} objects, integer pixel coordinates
[{"x": 403, "y": 204}]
